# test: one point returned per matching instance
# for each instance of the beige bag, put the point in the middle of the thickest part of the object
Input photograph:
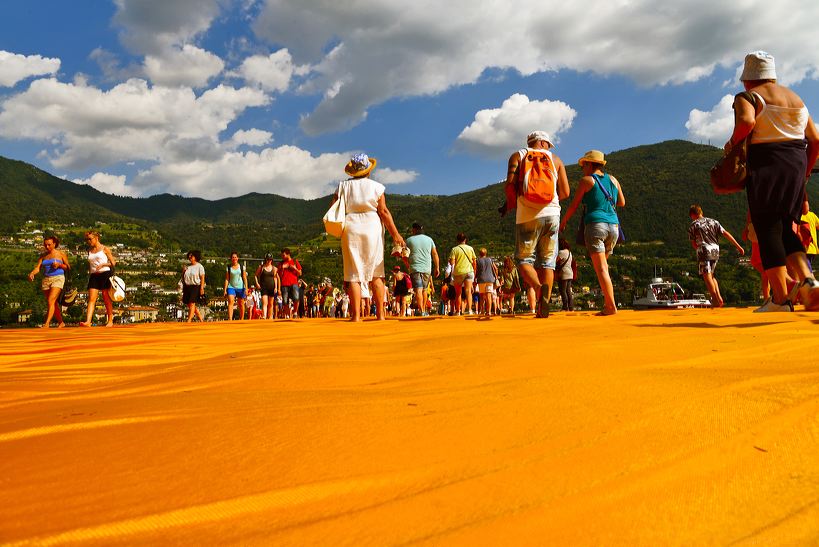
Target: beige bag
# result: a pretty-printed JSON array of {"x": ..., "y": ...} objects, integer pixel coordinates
[{"x": 334, "y": 217}]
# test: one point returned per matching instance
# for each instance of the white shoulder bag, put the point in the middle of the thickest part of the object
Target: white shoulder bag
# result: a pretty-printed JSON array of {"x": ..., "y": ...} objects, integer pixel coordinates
[{"x": 334, "y": 217}]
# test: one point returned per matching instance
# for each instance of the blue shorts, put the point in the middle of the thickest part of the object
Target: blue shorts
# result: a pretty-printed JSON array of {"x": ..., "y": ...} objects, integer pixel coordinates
[
  {"x": 420, "y": 280},
  {"x": 601, "y": 237},
  {"x": 536, "y": 242},
  {"x": 290, "y": 292},
  {"x": 238, "y": 293}
]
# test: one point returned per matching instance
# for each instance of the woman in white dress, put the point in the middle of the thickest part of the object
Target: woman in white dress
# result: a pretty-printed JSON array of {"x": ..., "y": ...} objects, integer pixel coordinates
[{"x": 362, "y": 240}]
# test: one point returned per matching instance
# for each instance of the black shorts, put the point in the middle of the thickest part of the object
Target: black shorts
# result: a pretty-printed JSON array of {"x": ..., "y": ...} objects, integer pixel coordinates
[
  {"x": 190, "y": 294},
  {"x": 100, "y": 281},
  {"x": 267, "y": 291}
]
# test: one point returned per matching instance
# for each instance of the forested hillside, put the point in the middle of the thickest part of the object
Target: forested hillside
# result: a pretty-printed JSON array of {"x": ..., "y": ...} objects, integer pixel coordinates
[{"x": 659, "y": 181}]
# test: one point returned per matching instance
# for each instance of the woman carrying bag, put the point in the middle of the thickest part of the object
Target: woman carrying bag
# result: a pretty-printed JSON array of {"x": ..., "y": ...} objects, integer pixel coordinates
[{"x": 600, "y": 193}]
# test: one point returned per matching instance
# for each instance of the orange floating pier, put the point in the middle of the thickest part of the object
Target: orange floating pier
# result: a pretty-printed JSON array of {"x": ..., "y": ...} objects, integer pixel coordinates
[{"x": 646, "y": 428}]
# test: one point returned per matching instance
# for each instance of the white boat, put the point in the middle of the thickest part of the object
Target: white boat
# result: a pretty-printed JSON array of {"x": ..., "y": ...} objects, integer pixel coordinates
[{"x": 661, "y": 294}]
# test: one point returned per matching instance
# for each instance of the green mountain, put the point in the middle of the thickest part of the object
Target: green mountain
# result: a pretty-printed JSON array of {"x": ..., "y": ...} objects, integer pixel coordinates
[{"x": 659, "y": 181}]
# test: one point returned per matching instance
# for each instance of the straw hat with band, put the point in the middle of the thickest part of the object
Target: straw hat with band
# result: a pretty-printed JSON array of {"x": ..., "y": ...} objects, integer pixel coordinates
[
  {"x": 592, "y": 156},
  {"x": 360, "y": 165}
]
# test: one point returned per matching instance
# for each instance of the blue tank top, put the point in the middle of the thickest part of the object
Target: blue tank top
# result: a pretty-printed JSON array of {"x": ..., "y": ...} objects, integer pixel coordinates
[
  {"x": 598, "y": 208},
  {"x": 48, "y": 267},
  {"x": 236, "y": 281}
]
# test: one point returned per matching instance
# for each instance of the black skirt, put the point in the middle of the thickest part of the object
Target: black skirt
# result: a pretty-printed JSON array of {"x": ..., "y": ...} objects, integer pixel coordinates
[{"x": 776, "y": 180}]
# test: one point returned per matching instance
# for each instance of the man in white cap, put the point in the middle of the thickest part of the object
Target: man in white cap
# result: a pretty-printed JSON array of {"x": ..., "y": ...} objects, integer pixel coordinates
[{"x": 535, "y": 183}]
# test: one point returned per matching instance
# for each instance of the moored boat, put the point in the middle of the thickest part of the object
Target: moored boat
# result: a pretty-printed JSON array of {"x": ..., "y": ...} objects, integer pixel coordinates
[{"x": 662, "y": 294}]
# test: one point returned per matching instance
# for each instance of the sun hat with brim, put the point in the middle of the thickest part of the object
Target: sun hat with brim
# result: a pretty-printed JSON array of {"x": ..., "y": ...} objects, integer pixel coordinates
[
  {"x": 592, "y": 156},
  {"x": 759, "y": 65},
  {"x": 359, "y": 165}
]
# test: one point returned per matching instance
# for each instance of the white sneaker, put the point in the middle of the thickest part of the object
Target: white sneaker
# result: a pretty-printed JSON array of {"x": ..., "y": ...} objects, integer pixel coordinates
[
  {"x": 769, "y": 305},
  {"x": 809, "y": 294}
]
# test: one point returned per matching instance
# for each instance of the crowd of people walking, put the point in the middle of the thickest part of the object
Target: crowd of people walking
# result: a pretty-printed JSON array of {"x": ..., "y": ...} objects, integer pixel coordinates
[{"x": 783, "y": 146}]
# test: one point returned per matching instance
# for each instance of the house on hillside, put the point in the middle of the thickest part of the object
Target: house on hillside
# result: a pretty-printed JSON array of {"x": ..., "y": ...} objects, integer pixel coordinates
[
  {"x": 140, "y": 314},
  {"x": 23, "y": 316}
]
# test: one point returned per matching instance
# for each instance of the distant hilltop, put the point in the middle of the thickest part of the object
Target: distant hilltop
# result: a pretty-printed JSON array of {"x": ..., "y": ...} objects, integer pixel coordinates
[{"x": 659, "y": 181}]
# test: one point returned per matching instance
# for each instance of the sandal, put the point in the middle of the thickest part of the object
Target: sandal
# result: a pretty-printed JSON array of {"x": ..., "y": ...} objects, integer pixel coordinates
[{"x": 542, "y": 307}]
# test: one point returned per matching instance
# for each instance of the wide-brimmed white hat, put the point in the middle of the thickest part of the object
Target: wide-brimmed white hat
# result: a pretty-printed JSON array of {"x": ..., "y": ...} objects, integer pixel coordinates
[{"x": 759, "y": 65}]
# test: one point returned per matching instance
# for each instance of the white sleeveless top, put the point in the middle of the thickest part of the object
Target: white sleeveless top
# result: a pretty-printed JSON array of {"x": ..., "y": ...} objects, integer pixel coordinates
[
  {"x": 526, "y": 210},
  {"x": 95, "y": 260},
  {"x": 779, "y": 123}
]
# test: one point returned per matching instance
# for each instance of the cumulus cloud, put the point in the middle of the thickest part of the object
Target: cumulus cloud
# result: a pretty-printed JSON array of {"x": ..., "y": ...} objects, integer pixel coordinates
[
  {"x": 388, "y": 176},
  {"x": 89, "y": 127},
  {"x": 286, "y": 171},
  {"x": 15, "y": 68},
  {"x": 714, "y": 126},
  {"x": 153, "y": 26},
  {"x": 250, "y": 137},
  {"x": 186, "y": 66},
  {"x": 368, "y": 52},
  {"x": 271, "y": 72},
  {"x": 110, "y": 184},
  {"x": 497, "y": 131}
]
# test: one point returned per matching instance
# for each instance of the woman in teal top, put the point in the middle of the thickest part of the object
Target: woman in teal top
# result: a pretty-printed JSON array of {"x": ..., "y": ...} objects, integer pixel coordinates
[
  {"x": 235, "y": 286},
  {"x": 600, "y": 193}
]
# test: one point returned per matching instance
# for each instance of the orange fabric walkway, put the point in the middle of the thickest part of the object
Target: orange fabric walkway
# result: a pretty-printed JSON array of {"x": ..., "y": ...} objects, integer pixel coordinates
[{"x": 685, "y": 427}]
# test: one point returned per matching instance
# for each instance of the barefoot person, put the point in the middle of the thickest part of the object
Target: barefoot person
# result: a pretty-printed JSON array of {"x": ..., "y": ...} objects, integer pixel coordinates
[
  {"x": 362, "y": 240},
  {"x": 54, "y": 263},
  {"x": 463, "y": 261},
  {"x": 193, "y": 284},
  {"x": 423, "y": 265},
  {"x": 600, "y": 193},
  {"x": 704, "y": 234},
  {"x": 100, "y": 269},
  {"x": 267, "y": 282}
]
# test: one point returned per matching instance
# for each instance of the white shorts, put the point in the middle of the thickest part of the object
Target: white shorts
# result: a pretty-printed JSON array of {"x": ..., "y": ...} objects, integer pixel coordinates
[{"x": 486, "y": 288}]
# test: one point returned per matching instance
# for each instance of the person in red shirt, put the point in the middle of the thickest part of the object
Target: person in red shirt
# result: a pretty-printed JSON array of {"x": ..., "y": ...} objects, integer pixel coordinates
[{"x": 289, "y": 271}]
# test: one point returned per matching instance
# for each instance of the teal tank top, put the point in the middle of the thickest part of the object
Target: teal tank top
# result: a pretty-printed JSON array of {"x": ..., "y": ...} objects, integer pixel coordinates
[
  {"x": 236, "y": 280},
  {"x": 598, "y": 208}
]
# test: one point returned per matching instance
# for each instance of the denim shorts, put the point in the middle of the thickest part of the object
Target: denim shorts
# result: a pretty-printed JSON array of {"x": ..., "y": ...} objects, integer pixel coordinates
[
  {"x": 290, "y": 292},
  {"x": 238, "y": 293},
  {"x": 536, "y": 242},
  {"x": 420, "y": 280},
  {"x": 601, "y": 237}
]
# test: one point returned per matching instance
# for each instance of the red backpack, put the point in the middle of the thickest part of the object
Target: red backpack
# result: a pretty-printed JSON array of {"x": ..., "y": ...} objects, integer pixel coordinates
[{"x": 537, "y": 177}]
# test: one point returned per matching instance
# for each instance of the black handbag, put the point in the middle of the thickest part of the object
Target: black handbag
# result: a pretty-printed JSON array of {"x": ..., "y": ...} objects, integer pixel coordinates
[{"x": 729, "y": 174}]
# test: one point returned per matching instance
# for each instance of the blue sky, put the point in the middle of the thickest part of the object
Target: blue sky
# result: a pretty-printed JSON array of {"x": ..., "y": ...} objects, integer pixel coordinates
[{"x": 218, "y": 98}]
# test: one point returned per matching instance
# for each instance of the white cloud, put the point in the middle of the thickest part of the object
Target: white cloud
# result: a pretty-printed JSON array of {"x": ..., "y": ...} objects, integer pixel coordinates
[
  {"x": 186, "y": 66},
  {"x": 250, "y": 137},
  {"x": 499, "y": 131},
  {"x": 286, "y": 171},
  {"x": 387, "y": 49},
  {"x": 714, "y": 126},
  {"x": 110, "y": 184},
  {"x": 132, "y": 121},
  {"x": 15, "y": 67},
  {"x": 389, "y": 176},
  {"x": 271, "y": 72}
]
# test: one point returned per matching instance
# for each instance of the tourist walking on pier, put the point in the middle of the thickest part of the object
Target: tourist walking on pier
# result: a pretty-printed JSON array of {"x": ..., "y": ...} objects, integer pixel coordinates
[
  {"x": 289, "y": 271},
  {"x": 100, "y": 269},
  {"x": 423, "y": 265},
  {"x": 362, "y": 239},
  {"x": 267, "y": 281},
  {"x": 535, "y": 183},
  {"x": 704, "y": 234},
  {"x": 463, "y": 261},
  {"x": 565, "y": 275},
  {"x": 193, "y": 284},
  {"x": 235, "y": 286},
  {"x": 486, "y": 273},
  {"x": 600, "y": 193},
  {"x": 783, "y": 148},
  {"x": 54, "y": 263}
]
